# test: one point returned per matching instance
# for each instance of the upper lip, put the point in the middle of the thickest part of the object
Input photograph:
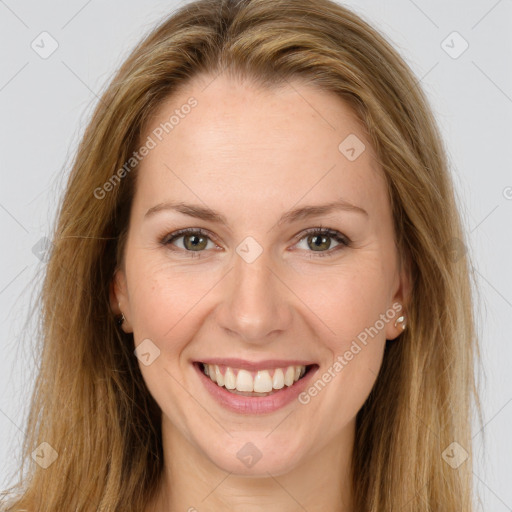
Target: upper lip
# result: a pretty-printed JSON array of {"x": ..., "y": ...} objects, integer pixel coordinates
[{"x": 255, "y": 365}]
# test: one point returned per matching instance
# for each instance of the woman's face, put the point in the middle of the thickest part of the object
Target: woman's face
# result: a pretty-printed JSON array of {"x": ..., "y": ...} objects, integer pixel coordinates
[{"x": 259, "y": 289}]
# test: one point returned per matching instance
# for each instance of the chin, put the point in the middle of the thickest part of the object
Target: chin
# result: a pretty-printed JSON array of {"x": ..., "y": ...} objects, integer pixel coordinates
[{"x": 255, "y": 455}]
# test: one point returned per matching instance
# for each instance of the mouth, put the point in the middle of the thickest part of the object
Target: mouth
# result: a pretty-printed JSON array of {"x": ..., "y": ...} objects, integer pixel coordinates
[{"x": 255, "y": 383}]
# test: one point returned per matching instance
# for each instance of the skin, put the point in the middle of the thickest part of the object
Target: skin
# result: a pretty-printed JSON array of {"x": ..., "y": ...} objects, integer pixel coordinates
[{"x": 253, "y": 154}]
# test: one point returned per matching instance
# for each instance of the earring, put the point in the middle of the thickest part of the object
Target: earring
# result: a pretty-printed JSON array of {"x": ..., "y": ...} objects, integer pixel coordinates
[
  {"x": 401, "y": 319},
  {"x": 120, "y": 320}
]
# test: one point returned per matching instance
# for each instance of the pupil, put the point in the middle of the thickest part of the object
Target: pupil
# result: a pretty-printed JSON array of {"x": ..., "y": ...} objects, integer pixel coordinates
[
  {"x": 194, "y": 241},
  {"x": 319, "y": 240}
]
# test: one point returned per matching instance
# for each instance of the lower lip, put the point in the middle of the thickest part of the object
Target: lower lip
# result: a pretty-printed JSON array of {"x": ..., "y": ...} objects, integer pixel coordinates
[{"x": 258, "y": 404}]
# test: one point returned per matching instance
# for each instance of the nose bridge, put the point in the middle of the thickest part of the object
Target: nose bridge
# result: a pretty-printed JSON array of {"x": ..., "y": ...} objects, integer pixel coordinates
[{"x": 256, "y": 304}]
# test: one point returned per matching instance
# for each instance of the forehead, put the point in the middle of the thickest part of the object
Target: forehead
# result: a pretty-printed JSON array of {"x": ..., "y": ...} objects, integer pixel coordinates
[{"x": 276, "y": 145}]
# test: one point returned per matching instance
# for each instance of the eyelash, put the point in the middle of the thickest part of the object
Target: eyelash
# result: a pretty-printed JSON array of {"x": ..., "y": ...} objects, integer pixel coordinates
[{"x": 343, "y": 240}]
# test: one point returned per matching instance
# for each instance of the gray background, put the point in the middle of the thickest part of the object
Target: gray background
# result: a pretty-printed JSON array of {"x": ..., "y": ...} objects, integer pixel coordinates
[{"x": 45, "y": 104}]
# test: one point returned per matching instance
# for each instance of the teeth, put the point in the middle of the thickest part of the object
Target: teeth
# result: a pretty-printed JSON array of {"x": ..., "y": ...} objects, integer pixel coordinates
[
  {"x": 289, "y": 376},
  {"x": 219, "y": 377},
  {"x": 244, "y": 381},
  {"x": 278, "y": 380},
  {"x": 229, "y": 379},
  {"x": 261, "y": 382}
]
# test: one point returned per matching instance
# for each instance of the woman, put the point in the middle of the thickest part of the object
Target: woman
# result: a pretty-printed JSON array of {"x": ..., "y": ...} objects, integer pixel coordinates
[{"x": 256, "y": 298}]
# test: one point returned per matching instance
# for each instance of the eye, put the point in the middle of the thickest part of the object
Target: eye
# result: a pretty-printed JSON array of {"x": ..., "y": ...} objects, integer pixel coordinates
[
  {"x": 319, "y": 240},
  {"x": 194, "y": 240}
]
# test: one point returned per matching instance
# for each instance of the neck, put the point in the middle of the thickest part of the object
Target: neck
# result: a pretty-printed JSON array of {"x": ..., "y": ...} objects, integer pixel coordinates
[{"x": 191, "y": 482}]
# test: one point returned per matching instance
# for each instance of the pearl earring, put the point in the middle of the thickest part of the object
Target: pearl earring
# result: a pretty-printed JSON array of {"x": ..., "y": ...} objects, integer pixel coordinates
[{"x": 401, "y": 320}]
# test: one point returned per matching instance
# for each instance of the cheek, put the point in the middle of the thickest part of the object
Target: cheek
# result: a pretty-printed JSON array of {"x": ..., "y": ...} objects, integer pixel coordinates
[
  {"x": 163, "y": 297},
  {"x": 339, "y": 393},
  {"x": 354, "y": 305},
  {"x": 348, "y": 299}
]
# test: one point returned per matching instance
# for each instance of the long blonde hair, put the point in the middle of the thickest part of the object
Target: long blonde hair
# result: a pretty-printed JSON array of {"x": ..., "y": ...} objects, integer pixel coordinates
[{"x": 90, "y": 403}]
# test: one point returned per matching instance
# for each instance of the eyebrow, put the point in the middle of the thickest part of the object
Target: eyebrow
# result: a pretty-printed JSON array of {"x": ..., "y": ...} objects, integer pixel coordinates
[{"x": 207, "y": 214}]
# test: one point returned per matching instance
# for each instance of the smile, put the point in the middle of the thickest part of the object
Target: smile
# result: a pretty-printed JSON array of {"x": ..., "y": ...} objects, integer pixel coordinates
[
  {"x": 253, "y": 383},
  {"x": 254, "y": 390}
]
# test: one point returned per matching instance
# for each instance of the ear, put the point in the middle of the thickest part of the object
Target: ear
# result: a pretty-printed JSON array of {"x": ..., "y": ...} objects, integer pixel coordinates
[
  {"x": 119, "y": 302},
  {"x": 400, "y": 301}
]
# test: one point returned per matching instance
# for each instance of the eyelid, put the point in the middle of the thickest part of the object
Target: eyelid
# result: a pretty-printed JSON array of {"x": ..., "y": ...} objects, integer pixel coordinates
[
  {"x": 323, "y": 231},
  {"x": 186, "y": 231}
]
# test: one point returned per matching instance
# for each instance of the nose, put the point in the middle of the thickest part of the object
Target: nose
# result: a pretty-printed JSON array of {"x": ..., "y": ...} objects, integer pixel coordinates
[{"x": 256, "y": 306}]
